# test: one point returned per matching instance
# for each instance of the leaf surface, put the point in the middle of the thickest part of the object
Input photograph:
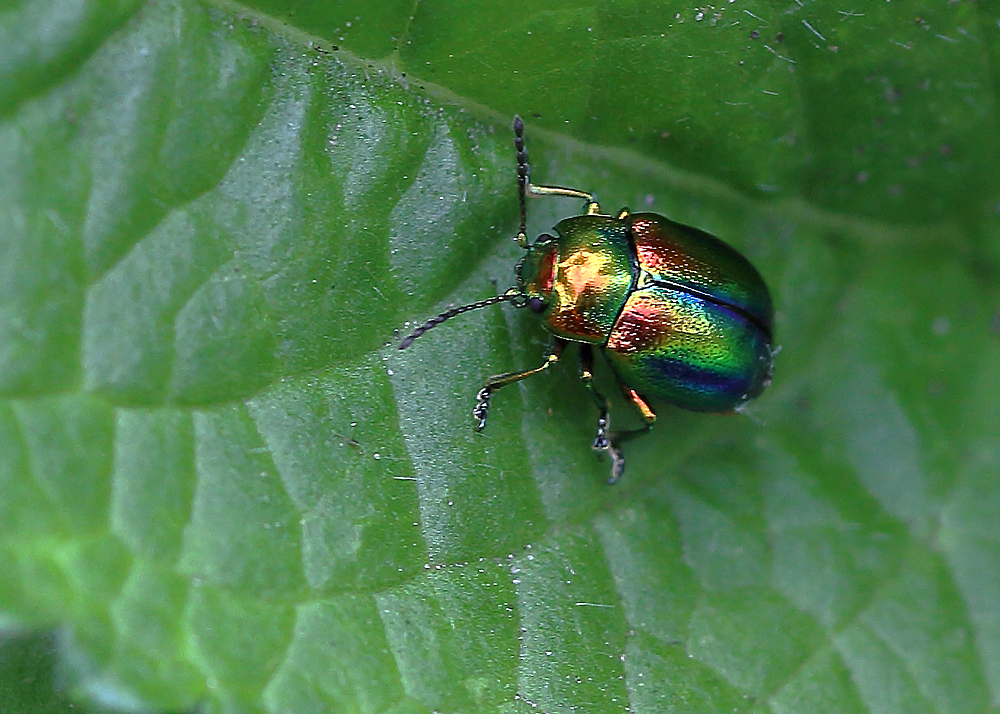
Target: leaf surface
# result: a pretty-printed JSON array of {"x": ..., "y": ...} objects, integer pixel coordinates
[{"x": 226, "y": 487}]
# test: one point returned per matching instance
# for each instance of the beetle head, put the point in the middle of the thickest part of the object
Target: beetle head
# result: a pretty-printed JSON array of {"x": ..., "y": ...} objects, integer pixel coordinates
[{"x": 536, "y": 272}]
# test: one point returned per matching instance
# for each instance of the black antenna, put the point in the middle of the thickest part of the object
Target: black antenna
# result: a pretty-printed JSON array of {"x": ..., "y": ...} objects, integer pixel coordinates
[
  {"x": 523, "y": 177},
  {"x": 510, "y": 295}
]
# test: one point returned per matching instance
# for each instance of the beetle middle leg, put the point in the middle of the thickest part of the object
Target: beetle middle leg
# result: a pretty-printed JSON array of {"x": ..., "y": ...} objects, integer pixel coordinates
[
  {"x": 602, "y": 441},
  {"x": 502, "y": 380},
  {"x": 648, "y": 416}
]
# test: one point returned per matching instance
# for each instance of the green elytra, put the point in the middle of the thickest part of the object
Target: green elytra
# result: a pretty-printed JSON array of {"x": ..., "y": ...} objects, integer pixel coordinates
[{"x": 680, "y": 316}]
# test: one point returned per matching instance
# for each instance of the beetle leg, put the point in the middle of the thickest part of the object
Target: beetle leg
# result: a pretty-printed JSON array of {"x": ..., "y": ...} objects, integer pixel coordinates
[
  {"x": 502, "y": 380},
  {"x": 648, "y": 415},
  {"x": 593, "y": 207},
  {"x": 525, "y": 187},
  {"x": 602, "y": 442},
  {"x": 617, "y": 438},
  {"x": 587, "y": 377}
]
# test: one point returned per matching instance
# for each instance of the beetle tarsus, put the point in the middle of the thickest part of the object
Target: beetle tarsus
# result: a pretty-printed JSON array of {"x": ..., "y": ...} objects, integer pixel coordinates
[
  {"x": 482, "y": 407},
  {"x": 601, "y": 442},
  {"x": 617, "y": 464}
]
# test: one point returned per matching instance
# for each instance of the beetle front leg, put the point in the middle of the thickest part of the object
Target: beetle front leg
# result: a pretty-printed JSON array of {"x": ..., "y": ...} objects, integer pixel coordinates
[
  {"x": 502, "y": 380},
  {"x": 525, "y": 187}
]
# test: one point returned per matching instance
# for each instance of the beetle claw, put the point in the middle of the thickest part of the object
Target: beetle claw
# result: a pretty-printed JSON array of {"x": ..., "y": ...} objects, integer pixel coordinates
[{"x": 481, "y": 408}]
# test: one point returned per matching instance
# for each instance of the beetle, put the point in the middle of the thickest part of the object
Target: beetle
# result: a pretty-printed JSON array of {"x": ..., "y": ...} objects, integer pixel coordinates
[{"x": 680, "y": 316}]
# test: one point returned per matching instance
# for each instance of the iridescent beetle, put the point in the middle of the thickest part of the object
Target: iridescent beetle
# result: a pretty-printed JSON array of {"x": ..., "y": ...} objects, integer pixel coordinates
[{"x": 681, "y": 317}]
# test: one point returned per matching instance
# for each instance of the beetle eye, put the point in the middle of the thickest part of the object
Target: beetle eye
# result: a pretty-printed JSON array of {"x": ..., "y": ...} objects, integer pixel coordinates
[{"x": 536, "y": 304}]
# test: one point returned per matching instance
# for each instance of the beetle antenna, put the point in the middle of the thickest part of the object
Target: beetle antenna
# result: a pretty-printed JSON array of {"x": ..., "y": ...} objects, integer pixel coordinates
[
  {"x": 523, "y": 175},
  {"x": 509, "y": 296}
]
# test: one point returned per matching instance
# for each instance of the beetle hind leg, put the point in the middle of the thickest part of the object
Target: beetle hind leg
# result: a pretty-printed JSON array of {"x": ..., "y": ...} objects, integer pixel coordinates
[
  {"x": 502, "y": 380},
  {"x": 647, "y": 414}
]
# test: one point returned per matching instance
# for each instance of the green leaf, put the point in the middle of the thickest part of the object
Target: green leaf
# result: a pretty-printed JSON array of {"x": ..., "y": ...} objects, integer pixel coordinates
[{"x": 223, "y": 486}]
